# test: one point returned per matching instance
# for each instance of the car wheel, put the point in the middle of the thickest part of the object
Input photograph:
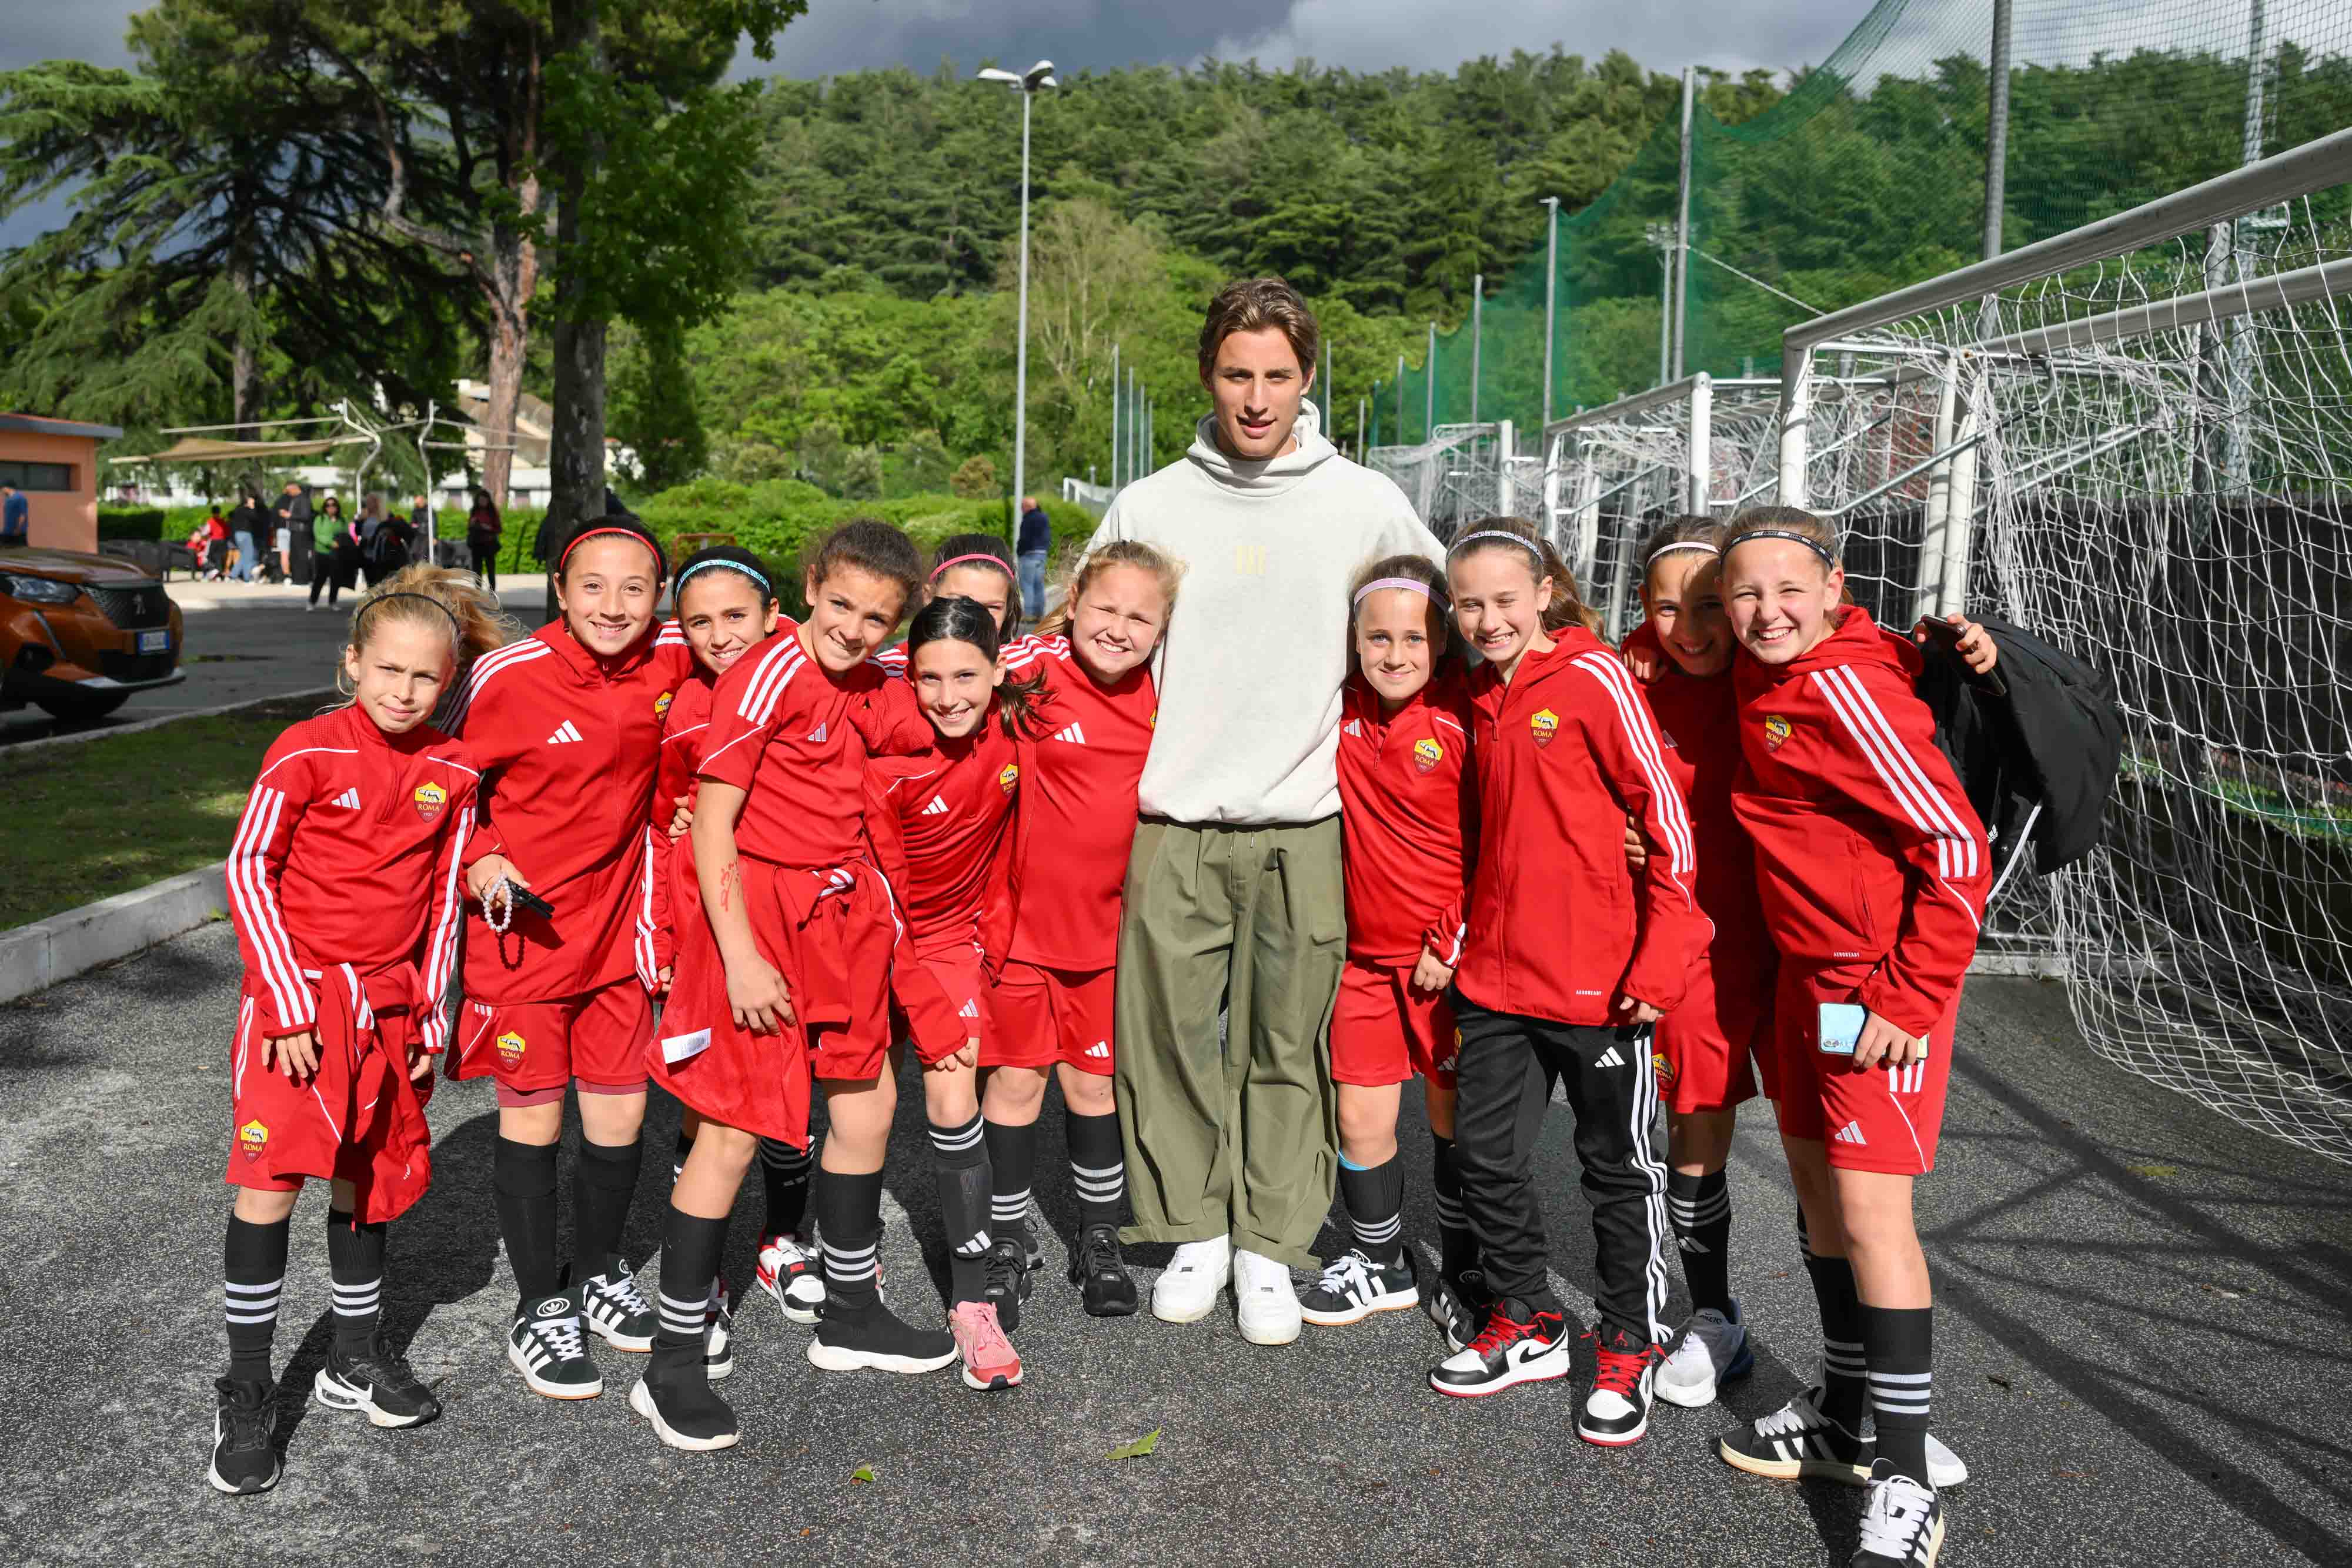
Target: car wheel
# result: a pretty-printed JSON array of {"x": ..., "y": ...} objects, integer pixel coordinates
[{"x": 81, "y": 707}]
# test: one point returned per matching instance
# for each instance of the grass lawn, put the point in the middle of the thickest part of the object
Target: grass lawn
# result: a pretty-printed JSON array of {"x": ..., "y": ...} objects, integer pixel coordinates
[{"x": 103, "y": 816}]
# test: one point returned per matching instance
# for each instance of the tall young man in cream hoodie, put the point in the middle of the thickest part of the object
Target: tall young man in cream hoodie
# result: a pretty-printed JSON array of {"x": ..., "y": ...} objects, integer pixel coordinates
[{"x": 1233, "y": 898}]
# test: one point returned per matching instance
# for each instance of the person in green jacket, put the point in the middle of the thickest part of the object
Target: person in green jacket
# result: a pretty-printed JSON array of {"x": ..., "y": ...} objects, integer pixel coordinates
[{"x": 334, "y": 551}]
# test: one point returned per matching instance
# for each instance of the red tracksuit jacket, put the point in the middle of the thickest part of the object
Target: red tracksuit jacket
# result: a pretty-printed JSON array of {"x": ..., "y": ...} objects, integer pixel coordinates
[
  {"x": 1408, "y": 818},
  {"x": 1700, "y": 721},
  {"x": 1866, "y": 849},
  {"x": 941, "y": 826},
  {"x": 349, "y": 853},
  {"x": 568, "y": 744},
  {"x": 1079, "y": 779},
  {"x": 676, "y": 894},
  {"x": 1558, "y": 925}
]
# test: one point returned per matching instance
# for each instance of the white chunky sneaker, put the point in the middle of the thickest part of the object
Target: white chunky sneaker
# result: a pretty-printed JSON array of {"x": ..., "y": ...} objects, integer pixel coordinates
[
  {"x": 1710, "y": 1350},
  {"x": 1269, "y": 1303},
  {"x": 1188, "y": 1287}
]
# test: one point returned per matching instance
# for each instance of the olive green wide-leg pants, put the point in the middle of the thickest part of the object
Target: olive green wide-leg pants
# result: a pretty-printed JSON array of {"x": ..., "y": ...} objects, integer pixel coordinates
[{"x": 1234, "y": 1131}]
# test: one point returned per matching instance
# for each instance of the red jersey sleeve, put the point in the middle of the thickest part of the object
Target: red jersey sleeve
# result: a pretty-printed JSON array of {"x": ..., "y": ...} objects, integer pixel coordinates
[
  {"x": 647, "y": 949},
  {"x": 673, "y": 776},
  {"x": 891, "y": 721},
  {"x": 1445, "y": 933},
  {"x": 1891, "y": 769},
  {"x": 931, "y": 1015},
  {"x": 257, "y": 860},
  {"x": 447, "y": 918},
  {"x": 744, "y": 709},
  {"x": 996, "y": 904},
  {"x": 1624, "y": 741}
]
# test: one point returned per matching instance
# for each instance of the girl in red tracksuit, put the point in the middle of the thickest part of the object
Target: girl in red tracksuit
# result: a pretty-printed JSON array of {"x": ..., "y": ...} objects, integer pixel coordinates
[
  {"x": 1087, "y": 673},
  {"x": 978, "y": 567},
  {"x": 1874, "y": 870},
  {"x": 1682, "y": 653},
  {"x": 941, "y": 825},
  {"x": 566, "y": 727},
  {"x": 1408, "y": 814},
  {"x": 1568, "y": 956},
  {"x": 344, "y": 890},
  {"x": 794, "y": 982}
]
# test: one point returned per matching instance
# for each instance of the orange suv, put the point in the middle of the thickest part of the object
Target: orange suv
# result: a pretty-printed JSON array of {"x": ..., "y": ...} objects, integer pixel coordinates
[{"x": 80, "y": 635}]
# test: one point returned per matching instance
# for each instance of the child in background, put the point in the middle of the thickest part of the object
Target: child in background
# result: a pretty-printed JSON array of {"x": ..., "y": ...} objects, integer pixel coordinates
[
  {"x": 977, "y": 566},
  {"x": 1568, "y": 957},
  {"x": 1089, "y": 666},
  {"x": 566, "y": 727},
  {"x": 344, "y": 891},
  {"x": 1408, "y": 814},
  {"x": 802, "y": 927},
  {"x": 941, "y": 825},
  {"x": 1842, "y": 777}
]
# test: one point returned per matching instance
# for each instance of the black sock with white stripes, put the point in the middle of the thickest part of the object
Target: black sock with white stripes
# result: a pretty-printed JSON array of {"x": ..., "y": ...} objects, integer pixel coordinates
[
  {"x": 1457, "y": 1248},
  {"x": 355, "y": 1260},
  {"x": 1845, "y": 1391},
  {"x": 523, "y": 1177},
  {"x": 1899, "y": 1344},
  {"x": 1700, "y": 1206},
  {"x": 603, "y": 1183},
  {"x": 785, "y": 1176},
  {"x": 849, "y": 1225},
  {"x": 253, "y": 1271},
  {"x": 1375, "y": 1196},
  {"x": 959, "y": 1159},
  {"x": 1097, "y": 1168},
  {"x": 691, "y": 1246},
  {"x": 1012, "y": 1166}
]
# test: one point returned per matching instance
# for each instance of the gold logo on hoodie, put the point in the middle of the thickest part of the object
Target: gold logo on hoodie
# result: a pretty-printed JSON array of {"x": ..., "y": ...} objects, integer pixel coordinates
[
  {"x": 1427, "y": 754},
  {"x": 1776, "y": 731},
  {"x": 1543, "y": 723}
]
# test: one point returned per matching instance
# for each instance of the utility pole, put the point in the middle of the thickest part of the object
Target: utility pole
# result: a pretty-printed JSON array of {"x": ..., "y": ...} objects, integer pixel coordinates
[
  {"x": 1997, "y": 127},
  {"x": 1038, "y": 78},
  {"x": 1682, "y": 218},
  {"x": 1114, "y": 418},
  {"x": 1429, "y": 388},
  {"x": 1360, "y": 404},
  {"x": 1477, "y": 336},
  {"x": 1551, "y": 296},
  {"x": 1400, "y": 420},
  {"x": 1323, "y": 385}
]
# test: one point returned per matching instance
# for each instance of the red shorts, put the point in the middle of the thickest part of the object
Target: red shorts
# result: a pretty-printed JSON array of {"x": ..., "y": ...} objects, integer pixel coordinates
[
  {"x": 1703, "y": 1048},
  {"x": 1044, "y": 1016},
  {"x": 1876, "y": 1119},
  {"x": 536, "y": 1049},
  {"x": 282, "y": 1133},
  {"x": 957, "y": 971},
  {"x": 1383, "y": 1030}
]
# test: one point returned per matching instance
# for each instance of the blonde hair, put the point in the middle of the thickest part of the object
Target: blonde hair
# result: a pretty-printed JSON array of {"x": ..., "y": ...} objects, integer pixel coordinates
[
  {"x": 1567, "y": 607},
  {"x": 1117, "y": 552},
  {"x": 467, "y": 613}
]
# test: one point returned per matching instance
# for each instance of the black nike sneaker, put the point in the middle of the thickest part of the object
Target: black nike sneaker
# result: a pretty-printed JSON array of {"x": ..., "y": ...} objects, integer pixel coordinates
[
  {"x": 375, "y": 1382},
  {"x": 1011, "y": 1264},
  {"x": 1901, "y": 1524},
  {"x": 1518, "y": 1345},
  {"x": 1104, "y": 1284},
  {"x": 1617, "y": 1410},
  {"x": 245, "y": 1429},
  {"x": 852, "y": 1339},
  {"x": 676, "y": 1395}
]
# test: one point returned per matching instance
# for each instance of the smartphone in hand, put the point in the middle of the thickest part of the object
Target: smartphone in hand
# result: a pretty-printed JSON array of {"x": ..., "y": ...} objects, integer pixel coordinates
[{"x": 1840, "y": 1027}]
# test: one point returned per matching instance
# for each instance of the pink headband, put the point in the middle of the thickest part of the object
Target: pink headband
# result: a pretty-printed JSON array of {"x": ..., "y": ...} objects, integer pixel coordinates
[
  {"x": 996, "y": 561},
  {"x": 1411, "y": 584}
]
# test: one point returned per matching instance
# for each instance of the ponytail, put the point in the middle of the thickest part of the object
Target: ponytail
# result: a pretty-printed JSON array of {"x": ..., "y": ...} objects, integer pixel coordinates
[{"x": 452, "y": 603}]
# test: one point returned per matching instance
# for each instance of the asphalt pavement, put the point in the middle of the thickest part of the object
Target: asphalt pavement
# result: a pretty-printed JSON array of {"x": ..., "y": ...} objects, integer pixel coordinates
[
  {"x": 246, "y": 641},
  {"x": 2141, "y": 1354}
]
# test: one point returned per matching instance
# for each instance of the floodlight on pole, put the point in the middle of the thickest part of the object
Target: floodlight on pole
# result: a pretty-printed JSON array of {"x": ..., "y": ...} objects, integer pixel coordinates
[{"x": 1028, "y": 85}]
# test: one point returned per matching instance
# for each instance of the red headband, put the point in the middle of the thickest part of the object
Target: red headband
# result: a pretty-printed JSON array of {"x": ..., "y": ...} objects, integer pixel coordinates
[
  {"x": 997, "y": 561},
  {"x": 661, "y": 567}
]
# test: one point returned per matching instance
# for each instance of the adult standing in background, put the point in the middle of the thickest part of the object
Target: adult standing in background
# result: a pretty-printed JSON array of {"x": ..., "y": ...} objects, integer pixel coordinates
[
  {"x": 1034, "y": 542},
  {"x": 15, "y": 517},
  {"x": 244, "y": 524},
  {"x": 483, "y": 530},
  {"x": 294, "y": 517},
  {"x": 371, "y": 524},
  {"x": 1233, "y": 896},
  {"x": 334, "y": 552},
  {"x": 423, "y": 538}
]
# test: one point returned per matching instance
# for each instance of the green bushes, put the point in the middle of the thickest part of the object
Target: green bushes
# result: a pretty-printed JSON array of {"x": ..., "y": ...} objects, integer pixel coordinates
[{"x": 132, "y": 523}]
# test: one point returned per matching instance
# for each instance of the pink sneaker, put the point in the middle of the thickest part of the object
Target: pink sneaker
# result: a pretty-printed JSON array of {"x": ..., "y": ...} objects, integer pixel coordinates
[{"x": 989, "y": 1361}]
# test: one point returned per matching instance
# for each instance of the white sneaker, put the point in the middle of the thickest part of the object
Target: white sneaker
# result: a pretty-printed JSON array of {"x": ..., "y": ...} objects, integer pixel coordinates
[
  {"x": 1269, "y": 1303},
  {"x": 1188, "y": 1287},
  {"x": 1710, "y": 1349}
]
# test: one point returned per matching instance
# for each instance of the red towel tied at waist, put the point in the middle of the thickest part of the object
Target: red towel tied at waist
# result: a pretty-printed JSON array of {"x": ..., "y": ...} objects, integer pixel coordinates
[{"x": 368, "y": 1027}]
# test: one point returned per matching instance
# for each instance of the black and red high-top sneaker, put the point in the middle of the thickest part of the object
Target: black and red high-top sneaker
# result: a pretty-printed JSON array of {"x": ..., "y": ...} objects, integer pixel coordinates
[
  {"x": 1617, "y": 1411},
  {"x": 1518, "y": 1345}
]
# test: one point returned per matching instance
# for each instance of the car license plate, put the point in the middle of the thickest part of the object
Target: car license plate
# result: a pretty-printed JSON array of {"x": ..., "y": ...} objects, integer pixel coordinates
[{"x": 156, "y": 642}]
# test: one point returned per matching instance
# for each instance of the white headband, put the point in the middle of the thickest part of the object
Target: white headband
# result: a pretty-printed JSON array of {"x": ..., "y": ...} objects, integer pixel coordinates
[
  {"x": 1526, "y": 545},
  {"x": 1680, "y": 544},
  {"x": 1411, "y": 584}
]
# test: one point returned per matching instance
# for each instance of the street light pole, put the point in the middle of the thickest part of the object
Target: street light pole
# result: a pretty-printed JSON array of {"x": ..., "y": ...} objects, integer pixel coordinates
[
  {"x": 1038, "y": 78},
  {"x": 1552, "y": 297}
]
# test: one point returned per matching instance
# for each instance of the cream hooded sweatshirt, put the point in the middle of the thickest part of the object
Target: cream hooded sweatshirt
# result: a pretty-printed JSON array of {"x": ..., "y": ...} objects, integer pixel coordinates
[{"x": 1254, "y": 654}]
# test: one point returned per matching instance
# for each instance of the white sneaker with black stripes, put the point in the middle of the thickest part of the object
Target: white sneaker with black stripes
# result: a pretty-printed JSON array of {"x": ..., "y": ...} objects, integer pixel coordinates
[
  {"x": 1353, "y": 1288},
  {"x": 548, "y": 1346},
  {"x": 616, "y": 1308},
  {"x": 1902, "y": 1525}
]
